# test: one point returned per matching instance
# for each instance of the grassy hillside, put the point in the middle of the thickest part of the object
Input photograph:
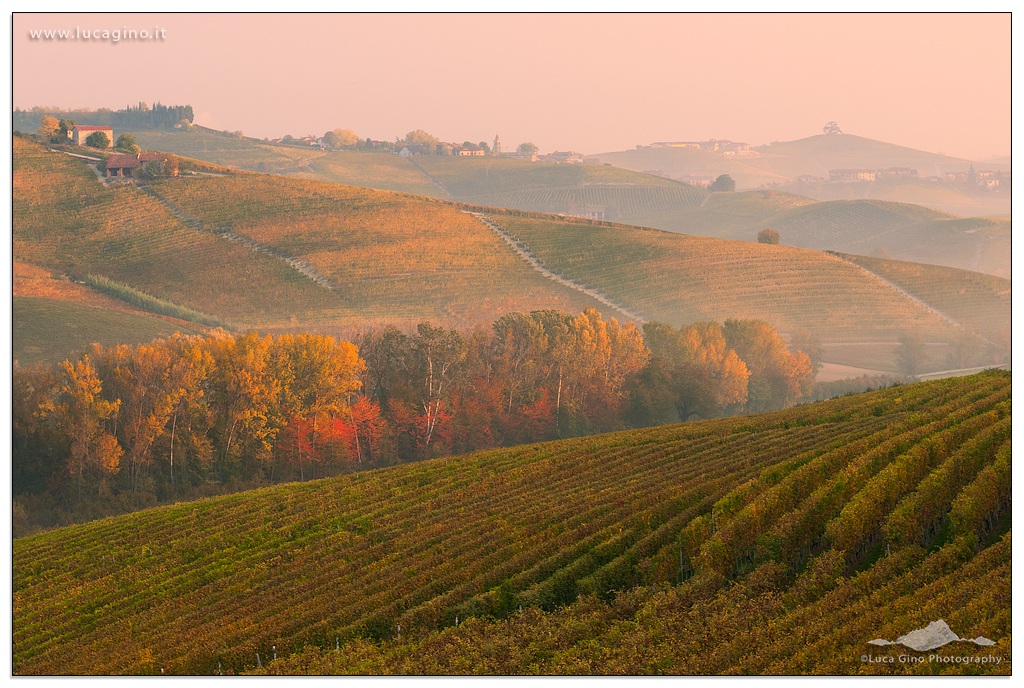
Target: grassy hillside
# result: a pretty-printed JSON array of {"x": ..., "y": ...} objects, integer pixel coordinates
[
  {"x": 982, "y": 302},
  {"x": 51, "y": 330},
  {"x": 853, "y": 223},
  {"x": 392, "y": 258},
  {"x": 222, "y": 148},
  {"x": 356, "y": 168},
  {"x": 803, "y": 533},
  {"x": 262, "y": 251},
  {"x": 681, "y": 279},
  {"x": 899, "y": 230},
  {"x": 503, "y": 182},
  {"x": 677, "y": 162}
]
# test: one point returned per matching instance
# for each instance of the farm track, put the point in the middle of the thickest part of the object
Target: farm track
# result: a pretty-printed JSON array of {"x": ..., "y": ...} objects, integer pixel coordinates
[
  {"x": 433, "y": 180},
  {"x": 524, "y": 252},
  {"x": 931, "y": 309},
  {"x": 299, "y": 265}
]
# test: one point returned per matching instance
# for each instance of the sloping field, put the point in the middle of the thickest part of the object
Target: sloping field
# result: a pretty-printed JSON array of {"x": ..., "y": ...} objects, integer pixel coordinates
[
  {"x": 68, "y": 222},
  {"x": 903, "y": 231},
  {"x": 681, "y": 279},
  {"x": 942, "y": 195},
  {"x": 372, "y": 170},
  {"x": 737, "y": 215},
  {"x": 677, "y": 162},
  {"x": 51, "y": 330},
  {"x": 224, "y": 149},
  {"x": 823, "y": 225},
  {"x": 820, "y": 153},
  {"x": 982, "y": 302},
  {"x": 976, "y": 243},
  {"x": 394, "y": 258},
  {"x": 356, "y": 168},
  {"x": 610, "y": 193},
  {"x": 900, "y": 230},
  {"x": 390, "y": 257},
  {"x": 803, "y": 533}
]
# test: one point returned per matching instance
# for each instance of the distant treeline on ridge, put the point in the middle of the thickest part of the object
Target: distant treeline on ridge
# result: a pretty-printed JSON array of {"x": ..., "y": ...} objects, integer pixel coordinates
[{"x": 140, "y": 116}]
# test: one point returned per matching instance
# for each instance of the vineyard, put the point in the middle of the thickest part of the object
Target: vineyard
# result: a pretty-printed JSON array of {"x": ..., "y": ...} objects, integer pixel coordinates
[
  {"x": 368, "y": 169},
  {"x": 800, "y": 534},
  {"x": 610, "y": 202},
  {"x": 680, "y": 279},
  {"x": 51, "y": 330},
  {"x": 67, "y": 222},
  {"x": 242, "y": 249},
  {"x": 391, "y": 256},
  {"x": 223, "y": 148},
  {"x": 403, "y": 257},
  {"x": 982, "y": 302},
  {"x": 609, "y": 192},
  {"x": 904, "y": 231}
]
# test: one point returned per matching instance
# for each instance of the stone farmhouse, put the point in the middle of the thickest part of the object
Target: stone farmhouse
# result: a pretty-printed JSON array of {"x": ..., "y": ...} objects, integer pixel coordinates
[
  {"x": 122, "y": 165},
  {"x": 83, "y": 131}
]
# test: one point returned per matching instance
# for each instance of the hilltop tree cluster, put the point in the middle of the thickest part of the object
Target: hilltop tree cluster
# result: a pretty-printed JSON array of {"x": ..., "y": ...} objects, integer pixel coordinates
[
  {"x": 127, "y": 426},
  {"x": 139, "y": 117}
]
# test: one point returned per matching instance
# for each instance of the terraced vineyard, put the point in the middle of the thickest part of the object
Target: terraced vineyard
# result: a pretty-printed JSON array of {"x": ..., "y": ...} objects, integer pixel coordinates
[
  {"x": 863, "y": 226},
  {"x": 68, "y": 222},
  {"x": 224, "y": 149},
  {"x": 681, "y": 279},
  {"x": 403, "y": 257},
  {"x": 609, "y": 202},
  {"x": 830, "y": 223},
  {"x": 51, "y": 330},
  {"x": 591, "y": 190},
  {"x": 979, "y": 301},
  {"x": 738, "y": 215},
  {"x": 392, "y": 256},
  {"x": 803, "y": 533},
  {"x": 904, "y": 231}
]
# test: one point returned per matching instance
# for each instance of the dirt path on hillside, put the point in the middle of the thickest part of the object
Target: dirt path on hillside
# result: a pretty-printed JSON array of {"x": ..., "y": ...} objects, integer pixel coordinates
[
  {"x": 931, "y": 309},
  {"x": 534, "y": 262},
  {"x": 435, "y": 182},
  {"x": 297, "y": 264}
]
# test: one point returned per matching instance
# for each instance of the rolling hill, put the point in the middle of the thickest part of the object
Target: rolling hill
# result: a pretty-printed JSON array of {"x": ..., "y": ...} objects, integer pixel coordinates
[
  {"x": 356, "y": 168},
  {"x": 781, "y": 162},
  {"x": 52, "y": 330},
  {"x": 890, "y": 217},
  {"x": 897, "y": 230},
  {"x": 277, "y": 253},
  {"x": 802, "y": 533},
  {"x": 388, "y": 257},
  {"x": 678, "y": 279}
]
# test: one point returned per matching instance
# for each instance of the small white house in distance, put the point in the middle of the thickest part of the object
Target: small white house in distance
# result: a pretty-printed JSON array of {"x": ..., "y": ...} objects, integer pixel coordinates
[{"x": 83, "y": 131}]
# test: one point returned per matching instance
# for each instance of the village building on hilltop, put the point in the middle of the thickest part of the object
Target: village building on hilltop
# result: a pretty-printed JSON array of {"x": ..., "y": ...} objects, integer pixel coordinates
[
  {"x": 124, "y": 165},
  {"x": 720, "y": 146},
  {"x": 83, "y": 131}
]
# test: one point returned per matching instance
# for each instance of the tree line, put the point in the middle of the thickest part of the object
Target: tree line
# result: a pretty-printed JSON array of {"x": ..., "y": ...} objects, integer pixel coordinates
[
  {"x": 125, "y": 427},
  {"x": 140, "y": 117}
]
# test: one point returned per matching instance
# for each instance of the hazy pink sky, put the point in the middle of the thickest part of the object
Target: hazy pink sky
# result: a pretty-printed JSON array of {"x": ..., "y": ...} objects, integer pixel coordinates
[{"x": 585, "y": 82}]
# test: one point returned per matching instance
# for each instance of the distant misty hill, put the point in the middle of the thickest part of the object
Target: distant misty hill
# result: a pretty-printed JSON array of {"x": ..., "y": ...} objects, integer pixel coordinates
[
  {"x": 807, "y": 166},
  {"x": 911, "y": 218}
]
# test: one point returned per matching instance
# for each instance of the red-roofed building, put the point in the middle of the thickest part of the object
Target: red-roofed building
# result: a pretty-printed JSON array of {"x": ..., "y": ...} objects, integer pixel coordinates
[
  {"x": 82, "y": 131},
  {"x": 121, "y": 165}
]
